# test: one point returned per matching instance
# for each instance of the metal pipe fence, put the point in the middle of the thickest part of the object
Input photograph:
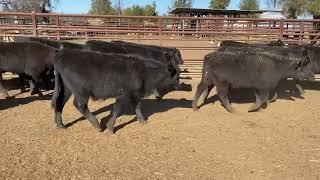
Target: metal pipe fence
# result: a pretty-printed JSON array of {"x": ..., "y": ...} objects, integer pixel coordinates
[{"x": 161, "y": 30}]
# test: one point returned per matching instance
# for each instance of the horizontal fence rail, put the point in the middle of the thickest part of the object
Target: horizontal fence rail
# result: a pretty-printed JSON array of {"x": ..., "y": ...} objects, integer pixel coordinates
[{"x": 160, "y": 29}]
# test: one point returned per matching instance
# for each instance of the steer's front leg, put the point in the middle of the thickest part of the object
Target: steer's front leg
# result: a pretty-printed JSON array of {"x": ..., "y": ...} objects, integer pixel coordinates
[{"x": 139, "y": 114}]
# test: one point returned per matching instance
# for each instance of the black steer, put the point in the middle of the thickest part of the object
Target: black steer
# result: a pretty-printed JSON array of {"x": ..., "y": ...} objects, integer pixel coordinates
[
  {"x": 138, "y": 50},
  {"x": 88, "y": 74},
  {"x": 229, "y": 43},
  {"x": 31, "y": 60},
  {"x": 249, "y": 67}
]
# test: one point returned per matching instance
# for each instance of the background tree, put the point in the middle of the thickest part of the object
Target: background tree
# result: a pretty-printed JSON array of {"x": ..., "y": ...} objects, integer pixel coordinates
[
  {"x": 150, "y": 10},
  {"x": 219, "y": 4},
  {"x": 43, "y": 6},
  {"x": 136, "y": 10},
  {"x": 101, "y": 7},
  {"x": 182, "y": 3},
  {"x": 249, "y": 5},
  {"x": 294, "y": 8}
]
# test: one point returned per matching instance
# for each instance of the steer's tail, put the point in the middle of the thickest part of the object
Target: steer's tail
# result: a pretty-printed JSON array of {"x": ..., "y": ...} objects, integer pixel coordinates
[
  {"x": 57, "y": 90},
  {"x": 58, "y": 94}
]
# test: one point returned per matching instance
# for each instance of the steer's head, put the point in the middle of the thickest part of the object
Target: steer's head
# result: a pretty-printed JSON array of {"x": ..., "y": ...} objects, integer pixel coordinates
[
  {"x": 170, "y": 80},
  {"x": 304, "y": 69}
]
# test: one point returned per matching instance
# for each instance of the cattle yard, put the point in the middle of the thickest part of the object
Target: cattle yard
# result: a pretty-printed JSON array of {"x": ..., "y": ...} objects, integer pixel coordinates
[{"x": 280, "y": 142}]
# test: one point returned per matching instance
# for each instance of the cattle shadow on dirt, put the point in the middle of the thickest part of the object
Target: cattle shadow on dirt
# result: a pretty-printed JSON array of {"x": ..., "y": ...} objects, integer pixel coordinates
[
  {"x": 149, "y": 107},
  {"x": 18, "y": 84},
  {"x": 286, "y": 90},
  {"x": 311, "y": 85},
  {"x": 13, "y": 101},
  {"x": 13, "y": 84}
]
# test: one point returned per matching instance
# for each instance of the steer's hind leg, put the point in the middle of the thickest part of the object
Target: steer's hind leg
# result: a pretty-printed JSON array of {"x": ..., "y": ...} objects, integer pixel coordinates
[
  {"x": 3, "y": 91},
  {"x": 34, "y": 88},
  {"x": 299, "y": 87},
  {"x": 200, "y": 89},
  {"x": 205, "y": 94},
  {"x": 59, "y": 103},
  {"x": 115, "y": 112},
  {"x": 262, "y": 97},
  {"x": 22, "y": 81},
  {"x": 223, "y": 91},
  {"x": 81, "y": 103}
]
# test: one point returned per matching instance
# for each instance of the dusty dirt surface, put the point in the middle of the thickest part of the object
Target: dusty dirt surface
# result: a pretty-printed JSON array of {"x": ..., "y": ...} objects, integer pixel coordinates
[{"x": 280, "y": 142}]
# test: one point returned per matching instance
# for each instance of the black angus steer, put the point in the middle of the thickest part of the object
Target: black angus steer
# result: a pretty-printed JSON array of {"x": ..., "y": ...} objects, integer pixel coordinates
[
  {"x": 134, "y": 49},
  {"x": 49, "y": 42},
  {"x": 230, "y": 43},
  {"x": 31, "y": 60},
  {"x": 88, "y": 74},
  {"x": 252, "y": 67},
  {"x": 174, "y": 53}
]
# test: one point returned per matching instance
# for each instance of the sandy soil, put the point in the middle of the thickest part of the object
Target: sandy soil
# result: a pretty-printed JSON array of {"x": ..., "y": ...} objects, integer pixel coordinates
[{"x": 280, "y": 142}]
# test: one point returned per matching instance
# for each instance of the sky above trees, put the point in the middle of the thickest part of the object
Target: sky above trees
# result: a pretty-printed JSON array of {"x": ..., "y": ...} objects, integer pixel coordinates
[{"x": 83, "y": 6}]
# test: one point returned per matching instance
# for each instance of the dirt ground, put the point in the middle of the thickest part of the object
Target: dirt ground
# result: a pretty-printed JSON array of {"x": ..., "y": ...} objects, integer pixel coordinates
[{"x": 280, "y": 142}]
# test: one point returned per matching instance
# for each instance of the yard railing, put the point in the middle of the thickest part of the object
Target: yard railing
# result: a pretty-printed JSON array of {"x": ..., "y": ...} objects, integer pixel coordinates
[
  {"x": 161, "y": 30},
  {"x": 68, "y": 26}
]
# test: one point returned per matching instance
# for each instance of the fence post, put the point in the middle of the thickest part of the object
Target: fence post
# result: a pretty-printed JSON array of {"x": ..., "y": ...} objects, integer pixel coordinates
[
  {"x": 160, "y": 29},
  {"x": 281, "y": 26},
  {"x": 301, "y": 31},
  {"x": 58, "y": 23},
  {"x": 139, "y": 29},
  {"x": 34, "y": 24},
  {"x": 86, "y": 25},
  {"x": 216, "y": 31}
]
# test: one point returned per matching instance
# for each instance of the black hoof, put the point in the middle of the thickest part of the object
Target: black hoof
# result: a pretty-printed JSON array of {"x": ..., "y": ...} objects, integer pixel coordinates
[
  {"x": 61, "y": 126},
  {"x": 143, "y": 122},
  {"x": 109, "y": 132}
]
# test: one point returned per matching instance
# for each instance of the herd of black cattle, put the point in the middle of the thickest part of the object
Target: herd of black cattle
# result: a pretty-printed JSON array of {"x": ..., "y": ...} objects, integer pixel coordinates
[{"x": 129, "y": 72}]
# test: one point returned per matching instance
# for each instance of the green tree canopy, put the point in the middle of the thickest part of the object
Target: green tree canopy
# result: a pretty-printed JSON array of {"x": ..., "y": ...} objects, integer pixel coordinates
[
  {"x": 294, "y": 8},
  {"x": 182, "y": 3},
  {"x": 249, "y": 4},
  {"x": 219, "y": 4},
  {"x": 101, "y": 7},
  {"x": 136, "y": 10},
  {"x": 150, "y": 10},
  {"x": 313, "y": 7},
  {"x": 28, "y": 5}
]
